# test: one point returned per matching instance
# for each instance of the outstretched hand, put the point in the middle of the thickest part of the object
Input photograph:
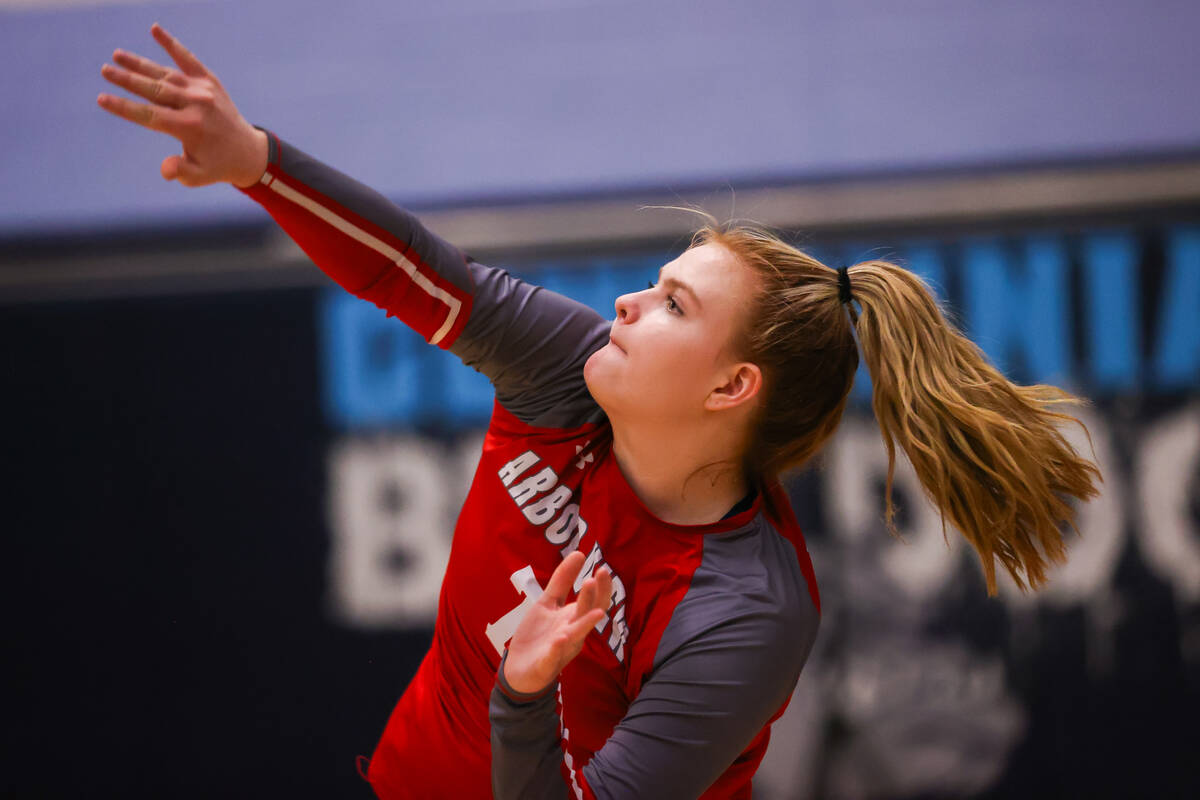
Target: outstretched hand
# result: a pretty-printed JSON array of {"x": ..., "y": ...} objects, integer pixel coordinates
[
  {"x": 189, "y": 104},
  {"x": 552, "y": 631}
]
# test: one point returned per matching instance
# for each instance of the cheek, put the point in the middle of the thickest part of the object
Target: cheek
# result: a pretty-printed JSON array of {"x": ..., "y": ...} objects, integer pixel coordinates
[
  {"x": 675, "y": 369},
  {"x": 667, "y": 374}
]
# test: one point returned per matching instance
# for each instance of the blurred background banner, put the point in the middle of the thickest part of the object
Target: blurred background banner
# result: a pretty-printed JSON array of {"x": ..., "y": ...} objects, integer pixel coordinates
[
  {"x": 231, "y": 487},
  {"x": 438, "y": 103}
]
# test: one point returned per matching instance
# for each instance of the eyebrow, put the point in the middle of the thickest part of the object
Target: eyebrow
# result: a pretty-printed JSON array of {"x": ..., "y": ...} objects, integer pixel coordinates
[{"x": 675, "y": 283}]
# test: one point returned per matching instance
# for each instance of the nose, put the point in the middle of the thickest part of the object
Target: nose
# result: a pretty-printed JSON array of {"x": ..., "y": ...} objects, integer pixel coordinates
[{"x": 626, "y": 307}]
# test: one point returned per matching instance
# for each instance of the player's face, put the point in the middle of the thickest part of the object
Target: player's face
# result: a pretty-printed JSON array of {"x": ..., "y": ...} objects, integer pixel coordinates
[{"x": 671, "y": 344}]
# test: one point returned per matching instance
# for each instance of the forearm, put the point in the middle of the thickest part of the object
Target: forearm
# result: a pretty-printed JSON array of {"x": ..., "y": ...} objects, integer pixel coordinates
[
  {"x": 525, "y": 743},
  {"x": 367, "y": 244}
]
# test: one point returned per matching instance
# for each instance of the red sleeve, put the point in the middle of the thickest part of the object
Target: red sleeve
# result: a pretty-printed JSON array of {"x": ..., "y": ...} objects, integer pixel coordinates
[{"x": 370, "y": 246}]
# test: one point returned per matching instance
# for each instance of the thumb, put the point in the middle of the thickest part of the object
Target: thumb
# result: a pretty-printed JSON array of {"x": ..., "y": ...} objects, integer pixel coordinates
[{"x": 182, "y": 169}]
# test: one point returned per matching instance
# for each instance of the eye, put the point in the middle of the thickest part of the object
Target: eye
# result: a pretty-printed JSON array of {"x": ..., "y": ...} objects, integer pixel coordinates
[{"x": 672, "y": 306}]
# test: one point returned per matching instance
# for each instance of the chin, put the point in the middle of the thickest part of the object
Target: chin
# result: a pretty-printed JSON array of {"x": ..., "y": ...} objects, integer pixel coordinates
[
  {"x": 598, "y": 375},
  {"x": 593, "y": 378}
]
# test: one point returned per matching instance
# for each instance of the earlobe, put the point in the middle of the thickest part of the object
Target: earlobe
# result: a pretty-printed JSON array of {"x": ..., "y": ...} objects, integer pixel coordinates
[{"x": 742, "y": 386}]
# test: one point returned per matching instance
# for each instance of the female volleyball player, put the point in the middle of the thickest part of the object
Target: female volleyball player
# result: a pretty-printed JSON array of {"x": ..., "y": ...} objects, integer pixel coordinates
[{"x": 629, "y": 601}]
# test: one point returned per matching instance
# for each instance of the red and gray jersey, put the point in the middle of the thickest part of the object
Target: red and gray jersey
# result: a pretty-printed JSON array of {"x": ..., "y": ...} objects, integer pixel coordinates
[{"x": 709, "y": 626}]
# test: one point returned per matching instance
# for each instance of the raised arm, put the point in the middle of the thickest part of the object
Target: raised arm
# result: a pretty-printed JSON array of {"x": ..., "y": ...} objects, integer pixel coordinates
[{"x": 531, "y": 343}]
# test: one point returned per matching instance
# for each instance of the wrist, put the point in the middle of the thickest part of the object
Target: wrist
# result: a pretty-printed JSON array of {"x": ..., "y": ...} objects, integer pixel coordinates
[
  {"x": 260, "y": 151},
  {"x": 518, "y": 692}
]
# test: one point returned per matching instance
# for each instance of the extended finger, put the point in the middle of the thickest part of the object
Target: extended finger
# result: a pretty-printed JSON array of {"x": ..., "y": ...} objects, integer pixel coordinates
[
  {"x": 564, "y": 576},
  {"x": 181, "y": 55},
  {"x": 604, "y": 588},
  {"x": 156, "y": 118},
  {"x": 144, "y": 66},
  {"x": 585, "y": 601},
  {"x": 578, "y": 630},
  {"x": 157, "y": 91},
  {"x": 595, "y": 592}
]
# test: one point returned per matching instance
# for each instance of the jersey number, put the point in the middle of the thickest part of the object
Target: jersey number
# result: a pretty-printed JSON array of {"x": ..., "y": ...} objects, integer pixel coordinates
[{"x": 500, "y": 631}]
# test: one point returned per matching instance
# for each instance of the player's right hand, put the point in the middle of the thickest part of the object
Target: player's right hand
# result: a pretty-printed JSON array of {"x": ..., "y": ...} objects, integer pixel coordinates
[
  {"x": 189, "y": 104},
  {"x": 552, "y": 631}
]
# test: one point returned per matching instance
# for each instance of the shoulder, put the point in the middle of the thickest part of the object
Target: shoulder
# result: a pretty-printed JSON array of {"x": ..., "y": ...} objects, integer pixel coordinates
[
  {"x": 532, "y": 344},
  {"x": 591, "y": 427},
  {"x": 750, "y": 593}
]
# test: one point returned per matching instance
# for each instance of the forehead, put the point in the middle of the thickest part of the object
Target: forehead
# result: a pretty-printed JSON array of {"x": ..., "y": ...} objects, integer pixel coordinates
[{"x": 713, "y": 272}]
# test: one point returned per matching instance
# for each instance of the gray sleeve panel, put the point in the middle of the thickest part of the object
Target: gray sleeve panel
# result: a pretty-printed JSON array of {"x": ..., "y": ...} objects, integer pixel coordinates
[
  {"x": 729, "y": 658},
  {"x": 526, "y": 754},
  {"x": 374, "y": 207},
  {"x": 532, "y": 344}
]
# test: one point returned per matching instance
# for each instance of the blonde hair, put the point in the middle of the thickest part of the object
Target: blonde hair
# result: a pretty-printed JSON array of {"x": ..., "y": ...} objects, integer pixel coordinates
[{"x": 987, "y": 452}]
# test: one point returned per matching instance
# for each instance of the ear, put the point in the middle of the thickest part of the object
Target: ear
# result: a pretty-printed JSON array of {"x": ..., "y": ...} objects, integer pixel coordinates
[{"x": 741, "y": 386}]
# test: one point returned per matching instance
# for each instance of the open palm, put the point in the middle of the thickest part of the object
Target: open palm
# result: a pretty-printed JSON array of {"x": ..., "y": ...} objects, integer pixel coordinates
[
  {"x": 552, "y": 631},
  {"x": 190, "y": 104}
]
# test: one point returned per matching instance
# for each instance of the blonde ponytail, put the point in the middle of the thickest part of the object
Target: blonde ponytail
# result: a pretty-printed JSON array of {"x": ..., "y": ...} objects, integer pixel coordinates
[{"x": 988, "y": 452}]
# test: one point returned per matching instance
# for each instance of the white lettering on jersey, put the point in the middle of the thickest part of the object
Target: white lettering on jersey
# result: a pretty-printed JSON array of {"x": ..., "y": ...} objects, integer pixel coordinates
[
  {"x": 590, "y": 564},
  {"x": 620, "y": 629},
  {"x": 563, "y": 531},
  {"x": 500, "y": 631},
  {"x": 618, "y": 595},
  {"x": 513, "y": 469},
  {"x": 620, "y": 632},
  {"x": 565, "y": 527},
  {"x": 525, "y": 491},
  {"x": 540, "y": 512}
]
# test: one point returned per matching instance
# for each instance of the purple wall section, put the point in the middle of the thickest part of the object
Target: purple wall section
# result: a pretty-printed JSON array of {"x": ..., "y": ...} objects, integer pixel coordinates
[{"x": 466, "y": 99}]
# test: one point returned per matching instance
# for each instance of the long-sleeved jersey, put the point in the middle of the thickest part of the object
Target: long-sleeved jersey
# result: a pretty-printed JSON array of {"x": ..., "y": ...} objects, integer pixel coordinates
[{"x": 709, "y": 625}]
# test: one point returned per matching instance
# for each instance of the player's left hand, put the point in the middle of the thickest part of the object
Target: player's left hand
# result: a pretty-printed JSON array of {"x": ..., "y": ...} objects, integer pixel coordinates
[{"x": 553, "y": 630}]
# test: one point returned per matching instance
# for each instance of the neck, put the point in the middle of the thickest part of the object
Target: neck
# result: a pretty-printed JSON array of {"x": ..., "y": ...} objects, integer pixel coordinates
[{"x": 683, "y": 475}]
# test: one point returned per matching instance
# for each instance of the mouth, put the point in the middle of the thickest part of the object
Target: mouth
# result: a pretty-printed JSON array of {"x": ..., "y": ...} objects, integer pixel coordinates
[{"x": 614, "y": 343}]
